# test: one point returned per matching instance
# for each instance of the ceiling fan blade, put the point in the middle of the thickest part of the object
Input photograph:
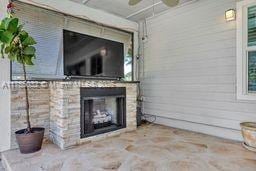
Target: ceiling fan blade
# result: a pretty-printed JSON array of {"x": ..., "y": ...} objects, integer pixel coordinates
[
  {"x": 134, "y": 2},
  {"x": 171, "y": 3}
]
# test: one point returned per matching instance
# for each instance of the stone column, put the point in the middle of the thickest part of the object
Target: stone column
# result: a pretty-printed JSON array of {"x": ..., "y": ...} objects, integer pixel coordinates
[{"x": 64, "y": 114}]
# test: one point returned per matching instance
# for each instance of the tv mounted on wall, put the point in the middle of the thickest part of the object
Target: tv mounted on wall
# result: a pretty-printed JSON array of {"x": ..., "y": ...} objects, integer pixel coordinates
[{"x": 89, "y": 56}]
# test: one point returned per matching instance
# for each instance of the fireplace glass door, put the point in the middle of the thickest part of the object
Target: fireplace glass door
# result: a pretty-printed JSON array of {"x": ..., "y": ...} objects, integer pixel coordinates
[{"x": 102, "y": 113}]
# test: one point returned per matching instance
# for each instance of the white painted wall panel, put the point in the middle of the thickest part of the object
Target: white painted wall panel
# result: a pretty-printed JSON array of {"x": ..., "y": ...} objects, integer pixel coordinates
[
  {"x": 190, "y": 70},
  {"x": 5, "y": 116}
]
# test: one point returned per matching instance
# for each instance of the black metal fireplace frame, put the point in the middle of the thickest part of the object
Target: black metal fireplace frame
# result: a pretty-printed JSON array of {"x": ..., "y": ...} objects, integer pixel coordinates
[{"x": 87, "y": 93}]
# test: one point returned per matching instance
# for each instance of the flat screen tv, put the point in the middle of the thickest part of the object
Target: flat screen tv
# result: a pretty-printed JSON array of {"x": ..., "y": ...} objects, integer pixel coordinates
[{"x": 89, "y": 56}]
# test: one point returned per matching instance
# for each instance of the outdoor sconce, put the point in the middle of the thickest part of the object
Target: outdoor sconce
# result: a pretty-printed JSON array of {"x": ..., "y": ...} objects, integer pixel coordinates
[
  {"x": 230, "y": 15},
  {"x": 103, "y": 52}
]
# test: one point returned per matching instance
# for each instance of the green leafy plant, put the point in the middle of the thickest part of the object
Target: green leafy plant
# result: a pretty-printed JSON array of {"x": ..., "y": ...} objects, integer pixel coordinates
[{"x": 17, "y": 45}]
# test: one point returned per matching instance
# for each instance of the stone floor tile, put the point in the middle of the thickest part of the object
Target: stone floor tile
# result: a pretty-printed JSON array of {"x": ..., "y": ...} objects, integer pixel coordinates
[{"x": 151, "y": 147}]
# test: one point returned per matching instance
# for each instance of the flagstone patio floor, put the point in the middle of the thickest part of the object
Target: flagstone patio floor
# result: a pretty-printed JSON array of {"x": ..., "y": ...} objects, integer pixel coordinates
[{"x": 151, "y": 147}]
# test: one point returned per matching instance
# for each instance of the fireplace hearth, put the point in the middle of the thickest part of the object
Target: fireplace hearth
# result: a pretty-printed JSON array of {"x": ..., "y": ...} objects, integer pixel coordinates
[{"x": 102, "y": 110}]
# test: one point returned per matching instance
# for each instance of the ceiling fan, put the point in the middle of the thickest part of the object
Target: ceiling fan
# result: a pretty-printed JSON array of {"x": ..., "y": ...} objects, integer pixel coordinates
[{"x": 169, "y": 3}]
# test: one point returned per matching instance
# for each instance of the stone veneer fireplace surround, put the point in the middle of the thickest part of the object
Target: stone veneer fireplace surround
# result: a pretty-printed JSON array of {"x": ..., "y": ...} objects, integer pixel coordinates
[{"x": 57, "y": 108}]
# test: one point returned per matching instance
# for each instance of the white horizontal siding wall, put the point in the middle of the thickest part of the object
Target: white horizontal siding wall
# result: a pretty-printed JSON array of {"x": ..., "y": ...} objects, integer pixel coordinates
[{"x": 190, "y": 70}]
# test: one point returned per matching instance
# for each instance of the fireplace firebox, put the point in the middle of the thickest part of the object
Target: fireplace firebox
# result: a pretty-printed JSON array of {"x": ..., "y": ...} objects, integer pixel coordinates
[{"x": 102, "y": 110}]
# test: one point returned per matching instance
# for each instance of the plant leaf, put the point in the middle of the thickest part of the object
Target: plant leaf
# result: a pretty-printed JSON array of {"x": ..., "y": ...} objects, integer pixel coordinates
[
  {"x": 19, "y": 59},
  {"x": 20, "y": 28},
  {"x": 28, "y": 41},
  {"x": 30, "y": 50},
  {"x": 3, "y": 24},
  {"x": 28, "y": 60},
  {"x": 23, "y": 35},
  {"x": 12, "y": 57},
  {"x": 13, "y": 25},
  {"x": 2, "y": 49},
  {"x": 8, "y": 49},
  {"x": 1, "y": 32},
  {"x": 6, "y": 37},
  {"x": 7, "y": 22}
]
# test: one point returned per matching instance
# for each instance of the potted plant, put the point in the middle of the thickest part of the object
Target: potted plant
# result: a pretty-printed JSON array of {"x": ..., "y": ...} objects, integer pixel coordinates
[
  {"x": 249, "y": 135},
  {"x": 17, "y": 45}
]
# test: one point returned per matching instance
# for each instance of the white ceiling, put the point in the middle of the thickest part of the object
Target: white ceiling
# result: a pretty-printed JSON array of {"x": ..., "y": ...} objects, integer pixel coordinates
[{"x": 121, "y": 7}]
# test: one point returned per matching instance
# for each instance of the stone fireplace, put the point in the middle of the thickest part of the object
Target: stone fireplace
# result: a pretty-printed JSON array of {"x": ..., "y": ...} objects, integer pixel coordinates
[
  {"x": 76, "y": 112},
  {"x": 105, "y": 107},
  {"x": 102, "y": 110}
]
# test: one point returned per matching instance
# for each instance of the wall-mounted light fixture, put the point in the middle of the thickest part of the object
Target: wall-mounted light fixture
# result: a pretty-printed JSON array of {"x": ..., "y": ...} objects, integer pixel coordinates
[
  {"x": 230, "y": 15},
  {"x": 103, "y": 52}
]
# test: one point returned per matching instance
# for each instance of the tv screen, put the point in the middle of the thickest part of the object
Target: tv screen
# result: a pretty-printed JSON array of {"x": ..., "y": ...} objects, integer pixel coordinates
[{"x": 90, "y": 56}]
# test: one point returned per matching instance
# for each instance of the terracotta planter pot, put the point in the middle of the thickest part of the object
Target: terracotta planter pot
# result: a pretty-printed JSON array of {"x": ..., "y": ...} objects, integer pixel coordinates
[
  {"x": 32, "y": 142},
  {"x": 249, "y": 133}
]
